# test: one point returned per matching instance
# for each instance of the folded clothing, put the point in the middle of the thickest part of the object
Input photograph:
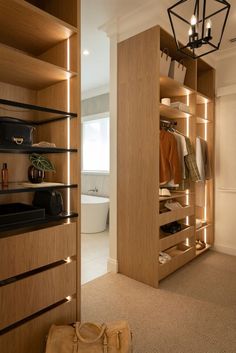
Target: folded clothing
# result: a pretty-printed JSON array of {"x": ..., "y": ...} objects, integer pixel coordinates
[
  {"x": 164, "y": 257},
  {"x": 171, "y": 228}
]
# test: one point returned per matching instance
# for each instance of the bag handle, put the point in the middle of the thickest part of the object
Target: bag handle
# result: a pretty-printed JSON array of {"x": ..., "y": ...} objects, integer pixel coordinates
[
  {"x": 165, "y": 51},
  {"x": 101, "y": 328}
]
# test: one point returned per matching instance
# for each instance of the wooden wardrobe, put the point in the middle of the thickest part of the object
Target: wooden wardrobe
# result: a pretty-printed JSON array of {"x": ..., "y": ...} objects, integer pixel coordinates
[
  {"x": 140, "y": 90},
  {"x": 39, "y": 83}
]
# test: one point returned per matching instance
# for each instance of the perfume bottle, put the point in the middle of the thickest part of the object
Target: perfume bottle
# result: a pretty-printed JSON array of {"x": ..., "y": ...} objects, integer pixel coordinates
[{"x": 4, "y": 173}]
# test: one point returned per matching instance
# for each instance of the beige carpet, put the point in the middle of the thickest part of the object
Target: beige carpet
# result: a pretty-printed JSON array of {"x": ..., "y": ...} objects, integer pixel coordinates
[{"x": 193, "y": 311}]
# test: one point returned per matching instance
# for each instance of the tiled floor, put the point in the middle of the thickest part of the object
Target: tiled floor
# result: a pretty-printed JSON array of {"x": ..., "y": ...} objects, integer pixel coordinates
[{"x": 94, "y": 253}]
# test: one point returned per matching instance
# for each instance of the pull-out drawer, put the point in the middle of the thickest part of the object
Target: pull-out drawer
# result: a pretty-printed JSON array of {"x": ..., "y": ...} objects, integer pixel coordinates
[
  {"x": 31, "y": 336},
  {"x": 171, "y": 216},
  {"x": 29, "y": 295},
  {"x": 28, "y": 251},
  {"x": 180, "y": 255},
  {"x": 173, "y": 239}
]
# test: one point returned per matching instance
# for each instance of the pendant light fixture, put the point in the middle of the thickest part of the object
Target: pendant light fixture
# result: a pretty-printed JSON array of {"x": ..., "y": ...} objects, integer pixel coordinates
[{"x": 203, "y": 22}]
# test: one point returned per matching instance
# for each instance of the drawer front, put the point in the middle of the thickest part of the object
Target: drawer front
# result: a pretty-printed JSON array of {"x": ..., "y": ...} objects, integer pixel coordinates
[
  {"x": 25, "y": 297},
  {"x": 175, "y": 215},
  {"x": 176, "y": 262},
  {"x": 28, "y": 251},
  {"x": 171, "y": 240},
  {"x": 33, "y": 333}
]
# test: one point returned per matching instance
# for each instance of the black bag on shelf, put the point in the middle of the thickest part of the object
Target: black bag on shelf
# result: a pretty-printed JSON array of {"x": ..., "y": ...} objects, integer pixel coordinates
[
  {"x": 51, "y": 200},
  {"x": 15, "y": 132}
]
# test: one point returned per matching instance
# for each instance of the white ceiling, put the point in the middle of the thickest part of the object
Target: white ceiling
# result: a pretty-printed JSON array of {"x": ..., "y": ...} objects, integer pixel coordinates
[{"x": 95, "y": 67}]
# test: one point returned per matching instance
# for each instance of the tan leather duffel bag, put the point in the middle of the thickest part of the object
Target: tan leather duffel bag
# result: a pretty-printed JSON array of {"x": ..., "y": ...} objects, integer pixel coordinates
[{"x": 114, "y": 337}]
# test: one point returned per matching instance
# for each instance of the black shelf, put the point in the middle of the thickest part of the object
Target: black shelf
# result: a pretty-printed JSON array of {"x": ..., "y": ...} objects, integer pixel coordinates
[
  {"x": 49, "y": 220},
  {"x": 16, "y": 188},
  {"x": 36, "y": 108},
  {"x": 31, "y": 149}
]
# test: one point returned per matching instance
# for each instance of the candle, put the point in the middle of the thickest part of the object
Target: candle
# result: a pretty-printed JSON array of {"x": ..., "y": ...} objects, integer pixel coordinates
[
  {"x": 193, "y": 22},
  {"x": 208, "y": 28}
]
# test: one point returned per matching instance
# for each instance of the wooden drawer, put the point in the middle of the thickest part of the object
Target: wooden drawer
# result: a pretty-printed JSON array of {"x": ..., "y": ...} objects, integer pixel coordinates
[
  {"x": 171, "y": 216},
  {"x": 173, "y": 239},
  {"x": 31, "y": 336},
  {"x": 181, "y": 255},
  {"x": 25, "y": 297},
  {"x": 28, "y": 251}
]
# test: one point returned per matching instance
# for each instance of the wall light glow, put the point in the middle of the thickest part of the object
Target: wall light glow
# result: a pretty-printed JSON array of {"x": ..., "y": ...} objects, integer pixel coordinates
[
  {"x": 69, "y": 298},
  {"x": 68, "y": 260},
  {"x": 68, "y": 128}
]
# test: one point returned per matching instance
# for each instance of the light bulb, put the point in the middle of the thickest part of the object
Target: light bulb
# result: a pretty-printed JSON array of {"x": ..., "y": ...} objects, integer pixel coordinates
[
  {"x": 193, "y": 20},
  {"x": 190, "y": 32}
]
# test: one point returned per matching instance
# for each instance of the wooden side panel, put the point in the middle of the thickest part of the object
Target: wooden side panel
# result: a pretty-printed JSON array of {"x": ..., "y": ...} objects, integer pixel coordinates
[
  {"x": 26, "y": 252},
  {"x": 32, "y": 294},
  {"x": 31, "y": 337},
  {"x": 138, "y": 149}
]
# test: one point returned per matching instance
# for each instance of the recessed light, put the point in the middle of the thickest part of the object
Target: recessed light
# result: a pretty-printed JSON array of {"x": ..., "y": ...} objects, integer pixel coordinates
[{"x": 86, "y": 52}]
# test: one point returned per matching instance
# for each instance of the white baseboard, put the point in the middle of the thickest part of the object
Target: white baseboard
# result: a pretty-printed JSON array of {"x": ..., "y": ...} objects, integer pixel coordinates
[
  {"x": 112, "y": 265},
  {"x": 224, "y": 249}
]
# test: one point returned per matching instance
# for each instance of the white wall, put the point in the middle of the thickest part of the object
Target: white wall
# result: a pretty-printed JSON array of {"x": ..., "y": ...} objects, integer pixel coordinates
[{"x": 225, "y": 203}]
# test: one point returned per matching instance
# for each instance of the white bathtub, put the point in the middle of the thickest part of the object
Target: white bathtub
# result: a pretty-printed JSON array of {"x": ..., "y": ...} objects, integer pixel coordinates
[{"x": 94, "y": 211}]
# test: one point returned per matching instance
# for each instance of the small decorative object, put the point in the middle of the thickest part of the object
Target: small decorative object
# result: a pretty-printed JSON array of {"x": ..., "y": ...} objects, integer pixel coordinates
[
  {"x": 40, "y": 165},
  {"x": 204, "y": 22}
]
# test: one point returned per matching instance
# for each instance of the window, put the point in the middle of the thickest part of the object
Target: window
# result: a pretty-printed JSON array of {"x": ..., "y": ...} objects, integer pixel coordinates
[{"x": 96, "y": 145}]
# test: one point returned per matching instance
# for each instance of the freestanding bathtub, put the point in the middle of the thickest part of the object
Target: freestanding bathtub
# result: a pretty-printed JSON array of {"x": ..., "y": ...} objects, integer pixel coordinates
[{"x": 94, "y": 211}]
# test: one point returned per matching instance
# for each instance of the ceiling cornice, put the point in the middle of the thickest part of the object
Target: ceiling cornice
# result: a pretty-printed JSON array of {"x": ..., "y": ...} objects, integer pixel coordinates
[{"x": 150, "y": 14}]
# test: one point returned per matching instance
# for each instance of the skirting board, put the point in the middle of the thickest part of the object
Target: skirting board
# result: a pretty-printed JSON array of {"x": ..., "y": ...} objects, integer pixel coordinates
[
  {"x": 225, "y": 250},
  {"x": 112, "y": 265}
]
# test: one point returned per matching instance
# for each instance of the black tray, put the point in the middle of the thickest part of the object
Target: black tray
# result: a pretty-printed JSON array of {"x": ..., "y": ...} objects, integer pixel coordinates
[{"x": 17, "y": 213}]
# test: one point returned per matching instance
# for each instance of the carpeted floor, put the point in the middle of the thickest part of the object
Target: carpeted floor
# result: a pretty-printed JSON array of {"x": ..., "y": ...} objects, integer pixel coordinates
[{"x": 193, "y": 311}]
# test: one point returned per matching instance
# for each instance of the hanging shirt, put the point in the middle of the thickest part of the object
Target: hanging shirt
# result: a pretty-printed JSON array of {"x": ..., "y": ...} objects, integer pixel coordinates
[
  {"x": 202, "y": 157},
  {"x": 170, "y": 167},
  {"x": 182, "y": 151},
  {"x": 190, "y": 161}
]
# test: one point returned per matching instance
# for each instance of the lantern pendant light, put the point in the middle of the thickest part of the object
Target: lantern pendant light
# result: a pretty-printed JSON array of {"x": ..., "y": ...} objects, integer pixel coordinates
[{"x": 201, "y": 37}]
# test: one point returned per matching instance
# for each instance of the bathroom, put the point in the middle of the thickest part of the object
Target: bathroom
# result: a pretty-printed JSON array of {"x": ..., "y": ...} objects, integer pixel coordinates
[{"x": 95, "y": 185}]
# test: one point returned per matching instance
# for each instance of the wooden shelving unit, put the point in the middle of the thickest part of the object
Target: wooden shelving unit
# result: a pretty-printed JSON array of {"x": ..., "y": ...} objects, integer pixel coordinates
[
  {"x": 140, "y": 207},
  {"x": 39, "y": 83}
]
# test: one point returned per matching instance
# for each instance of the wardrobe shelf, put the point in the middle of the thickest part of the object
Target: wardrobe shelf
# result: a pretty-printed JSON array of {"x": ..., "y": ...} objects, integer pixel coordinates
[
  {"x": 15, "y": 188},
  {"x": 173, "y": 113},
  {"x": 203, "y": 121},
  {"x": 29, "y": 226},
  {"x": 203, "y": 227},
  {"x": 172, "y": 88},
  {"x": 20, "y": 69},
  {"x": 171, "y": 216},
  {"x": 175, "y": 195},
  {"x": 38, "y": 108},
  {"x": 31, "y": 149},
  {"x": 170, "y": 240},
  {"x": 202, "y": 98},
  {"x": 181, "y": 254},
  {"x": 199, "y": 252},
  {"x": 26, "y": 27}
]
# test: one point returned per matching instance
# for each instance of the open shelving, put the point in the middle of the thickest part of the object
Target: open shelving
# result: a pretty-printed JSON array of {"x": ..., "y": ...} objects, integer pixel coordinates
[
  {"x": 37, "y": 30},
  {"x": 39, "y": 84},
  {"x": 140, "y": 209}
]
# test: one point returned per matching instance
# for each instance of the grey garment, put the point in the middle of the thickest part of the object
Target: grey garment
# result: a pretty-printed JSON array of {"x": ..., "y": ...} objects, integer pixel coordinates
[
  {"x": 203, "y": 160},
  {"x": 190, "y": 162}
]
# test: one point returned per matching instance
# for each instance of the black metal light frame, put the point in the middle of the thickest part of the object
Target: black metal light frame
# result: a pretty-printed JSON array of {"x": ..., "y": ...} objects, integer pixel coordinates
[{"x": 191, "y": 46}]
